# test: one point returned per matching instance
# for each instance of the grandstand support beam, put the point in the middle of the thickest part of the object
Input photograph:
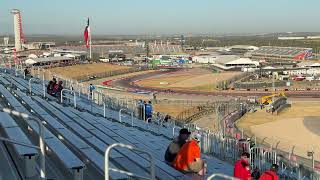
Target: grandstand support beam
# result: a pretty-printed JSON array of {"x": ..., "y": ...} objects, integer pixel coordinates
[
  {"x": 41, "y": 138},
  {"x": 107, "y": 168}
]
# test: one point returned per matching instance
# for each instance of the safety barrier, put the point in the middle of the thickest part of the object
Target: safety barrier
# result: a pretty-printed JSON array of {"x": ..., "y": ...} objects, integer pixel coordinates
[{"x": 107, "y": 168}]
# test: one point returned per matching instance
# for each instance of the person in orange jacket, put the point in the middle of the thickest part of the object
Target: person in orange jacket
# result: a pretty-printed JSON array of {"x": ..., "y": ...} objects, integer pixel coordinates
[
  {"x": 188, "y": 159},
  {"x": 270, "y": 174},
  {"x": 242, "y": 167}
]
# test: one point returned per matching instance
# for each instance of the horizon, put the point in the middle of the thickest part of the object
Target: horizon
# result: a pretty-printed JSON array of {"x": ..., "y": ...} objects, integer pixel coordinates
[{"x": 164, "y": 17}]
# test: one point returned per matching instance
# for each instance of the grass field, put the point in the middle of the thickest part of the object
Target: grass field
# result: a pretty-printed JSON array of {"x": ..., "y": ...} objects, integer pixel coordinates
[
  {"x": 85, "y": 69},
  {"x": 288, "y": 128},
  {"x": 192, "y": 79}
]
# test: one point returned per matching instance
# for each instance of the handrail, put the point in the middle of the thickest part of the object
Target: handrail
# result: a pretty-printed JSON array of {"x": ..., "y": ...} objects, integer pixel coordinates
[
  {"x": 104, "y": 109},
  {"x": 106, "y": 162},
  {"x": 43, "y": 86},
  {"x": 120, "y": 119},
  {"x": 74, "y": 96},
  {"x": 132, "y": 118},
  {"x": 221, "y": 176},
  {"x": 41, "y": 137}
]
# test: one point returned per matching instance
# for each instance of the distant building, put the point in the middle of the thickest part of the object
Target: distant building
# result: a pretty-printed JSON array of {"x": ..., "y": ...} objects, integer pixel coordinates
[
  {"x": 281, "y": 53},
  {"x": 226, "y": 62},
  {"x": 50, "y": 61},
  {"x": 291, "y": 38},
  {"x": 238, "y": 49}
]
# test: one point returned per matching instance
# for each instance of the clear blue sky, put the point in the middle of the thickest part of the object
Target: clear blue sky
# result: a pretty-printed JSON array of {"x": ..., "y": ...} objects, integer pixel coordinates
[{"x": 162, "y": 16}]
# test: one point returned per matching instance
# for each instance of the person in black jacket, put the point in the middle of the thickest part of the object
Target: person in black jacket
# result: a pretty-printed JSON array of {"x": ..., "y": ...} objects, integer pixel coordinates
[{"x": 175, "y": 145}]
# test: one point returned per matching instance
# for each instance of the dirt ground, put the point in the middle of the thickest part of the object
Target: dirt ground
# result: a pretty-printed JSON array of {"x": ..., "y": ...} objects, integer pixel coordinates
[
  {"x": 194, "y": 79},
  {"x": 85, "y": 69},
  {"x": 288, "y": 129}
]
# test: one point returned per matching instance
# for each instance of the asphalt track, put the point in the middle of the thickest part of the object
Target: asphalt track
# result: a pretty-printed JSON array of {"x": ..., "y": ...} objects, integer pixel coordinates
[
  {"x": 312, "y": 123},
  {"x": 128, "y": 83}
]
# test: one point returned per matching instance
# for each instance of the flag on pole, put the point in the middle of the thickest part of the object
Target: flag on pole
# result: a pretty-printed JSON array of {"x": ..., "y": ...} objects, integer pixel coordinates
[{"x": 87, "y": 34}]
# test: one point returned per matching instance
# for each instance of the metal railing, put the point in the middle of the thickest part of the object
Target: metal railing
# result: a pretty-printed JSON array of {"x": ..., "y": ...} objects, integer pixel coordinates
[
  {"x": 43, "y": 86},
  {"x": 74, "y": 96},
  {"x": 41, "y": 137},
  {"x": 221, "y": 176},
  {"x": 107, "y": 168}
]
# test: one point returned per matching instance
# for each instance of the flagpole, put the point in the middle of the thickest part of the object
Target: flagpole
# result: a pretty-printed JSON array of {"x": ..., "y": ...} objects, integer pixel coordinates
[{"x": 90, "y": 44}]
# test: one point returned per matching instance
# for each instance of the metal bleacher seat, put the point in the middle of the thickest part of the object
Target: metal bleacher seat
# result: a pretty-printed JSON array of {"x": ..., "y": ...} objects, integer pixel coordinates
[
  {"x": 27, "y": 154},
  {"x": 99, "y": 127},
  {"x": 64, "y": 155},
  {"x": 81, "y": 144}
]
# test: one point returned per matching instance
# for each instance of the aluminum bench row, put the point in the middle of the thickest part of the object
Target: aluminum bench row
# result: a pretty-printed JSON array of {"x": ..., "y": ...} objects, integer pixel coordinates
[
  {"x": 101, "y": 132},
  {"x": 65, "y": 156},
  {"x": 73, "y": 139},
  {"x": 124, "y": 134}
]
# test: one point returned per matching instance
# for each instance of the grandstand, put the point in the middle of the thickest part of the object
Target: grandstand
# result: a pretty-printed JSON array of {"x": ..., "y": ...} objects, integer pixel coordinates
[
  {"x": 78, "y": 130},
  {"x": 164, "y": 48},
  {"x": 104, "y": 49},
  {"x": 281, "y": 53},
  {"x": 77, "y": 138}
]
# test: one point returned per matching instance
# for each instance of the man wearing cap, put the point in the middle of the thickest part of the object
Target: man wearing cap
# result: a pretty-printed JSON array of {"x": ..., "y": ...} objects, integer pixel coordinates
[
  {"x": 270, "y": 174},
  {"x": 175, "y": 146},
  {"x": 188, "y": 159}
]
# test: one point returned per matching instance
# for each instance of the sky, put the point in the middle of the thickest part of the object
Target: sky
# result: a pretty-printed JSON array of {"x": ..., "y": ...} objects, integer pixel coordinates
[{"x": 155, "y": 17}]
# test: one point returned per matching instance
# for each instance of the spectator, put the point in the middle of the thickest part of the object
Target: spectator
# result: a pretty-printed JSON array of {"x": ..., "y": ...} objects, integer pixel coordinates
[
  {"x": 26, "y": 72},
  {"x": 242, "y": 168},
  {"x": 91, "y": 89},
  {"x": 256, "y": 173},
  {"x": 148, "y": 109},
  {"x": 59, "y": 89},
  {"x": 50, "y": 87},
  {"x": 188, "y": 158},
  {"x": 270, "y": 174},
  {"x": 56, "y": 89},
  {"x": 167, "y": 118},
  {"x": 175, "y": 145}
]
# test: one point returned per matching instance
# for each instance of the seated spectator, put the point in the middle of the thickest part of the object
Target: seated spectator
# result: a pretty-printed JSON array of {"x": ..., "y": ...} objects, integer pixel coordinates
[
  {"x": 175, "y": 145},
  {"x": 57, "y": 88},
  {"x": 242, "y": 168},
  {"x": 60, "y": 87},
  {"x": 188, "y": 159},
  {"x": 50, "y": 87},
  {"x": 270, "y": 174}
]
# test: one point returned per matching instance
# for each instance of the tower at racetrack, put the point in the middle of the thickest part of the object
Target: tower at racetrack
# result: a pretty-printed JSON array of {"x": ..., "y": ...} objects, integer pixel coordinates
[{"x": 18, "y": 33}]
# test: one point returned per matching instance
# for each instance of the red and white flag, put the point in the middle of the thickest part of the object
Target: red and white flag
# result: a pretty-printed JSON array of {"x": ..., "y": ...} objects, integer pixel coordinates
[{"x": 87, "y": 35}]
